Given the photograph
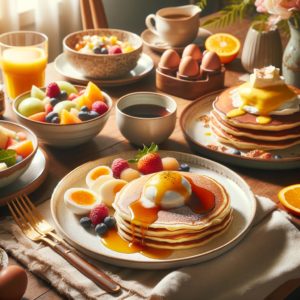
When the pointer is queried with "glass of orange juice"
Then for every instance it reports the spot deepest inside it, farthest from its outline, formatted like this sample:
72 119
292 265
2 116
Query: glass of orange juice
23 59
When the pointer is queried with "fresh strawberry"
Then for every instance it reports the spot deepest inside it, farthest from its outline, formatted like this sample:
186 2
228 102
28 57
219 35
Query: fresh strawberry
148 160
98 214
81 92
48 108
52 90
72 97
118 166
99 107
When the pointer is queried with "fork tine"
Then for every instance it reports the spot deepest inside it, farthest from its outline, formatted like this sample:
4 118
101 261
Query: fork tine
34 218
34 209
25 214
21 216
16 218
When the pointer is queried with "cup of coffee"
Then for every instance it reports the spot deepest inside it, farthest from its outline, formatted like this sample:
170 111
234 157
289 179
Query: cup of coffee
178 26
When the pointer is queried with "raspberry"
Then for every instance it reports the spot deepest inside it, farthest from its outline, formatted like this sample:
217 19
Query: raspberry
115 50
118 166
99 107
52 90
98 214
48 108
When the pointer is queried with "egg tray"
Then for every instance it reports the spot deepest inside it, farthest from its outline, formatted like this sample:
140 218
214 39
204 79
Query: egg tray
188 89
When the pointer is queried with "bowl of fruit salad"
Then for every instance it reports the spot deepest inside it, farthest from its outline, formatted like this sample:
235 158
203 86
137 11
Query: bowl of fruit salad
63 115
18 146
103 53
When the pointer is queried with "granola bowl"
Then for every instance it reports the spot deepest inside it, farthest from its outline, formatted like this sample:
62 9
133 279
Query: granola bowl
103 66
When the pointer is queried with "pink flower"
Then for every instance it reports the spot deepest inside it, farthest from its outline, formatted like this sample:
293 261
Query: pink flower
260 6
290 4
275 8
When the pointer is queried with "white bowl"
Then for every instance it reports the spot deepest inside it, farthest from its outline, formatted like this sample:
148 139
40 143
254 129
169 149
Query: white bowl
64 136
10 174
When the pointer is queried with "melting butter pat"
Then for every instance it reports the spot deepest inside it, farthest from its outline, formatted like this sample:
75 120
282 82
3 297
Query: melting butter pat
266 77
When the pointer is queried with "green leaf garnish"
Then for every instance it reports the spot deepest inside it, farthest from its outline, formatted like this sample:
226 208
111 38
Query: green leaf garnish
153 148
8 157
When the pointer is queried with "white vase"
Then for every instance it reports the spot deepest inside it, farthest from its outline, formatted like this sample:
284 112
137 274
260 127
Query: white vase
262 49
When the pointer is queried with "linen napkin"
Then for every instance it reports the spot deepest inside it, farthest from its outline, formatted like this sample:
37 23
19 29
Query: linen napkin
266 258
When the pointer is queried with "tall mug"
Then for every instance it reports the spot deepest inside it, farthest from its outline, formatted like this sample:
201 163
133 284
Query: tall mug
23 59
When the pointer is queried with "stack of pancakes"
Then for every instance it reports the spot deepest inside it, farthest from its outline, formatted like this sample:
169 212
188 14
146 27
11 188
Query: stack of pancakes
245 133
178 228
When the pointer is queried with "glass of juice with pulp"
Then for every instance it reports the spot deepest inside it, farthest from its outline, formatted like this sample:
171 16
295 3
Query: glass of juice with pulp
23 60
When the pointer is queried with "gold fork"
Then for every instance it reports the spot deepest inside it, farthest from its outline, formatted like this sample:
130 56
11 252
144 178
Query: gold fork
32 231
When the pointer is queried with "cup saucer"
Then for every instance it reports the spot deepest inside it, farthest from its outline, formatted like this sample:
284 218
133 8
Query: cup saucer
144 66
157 44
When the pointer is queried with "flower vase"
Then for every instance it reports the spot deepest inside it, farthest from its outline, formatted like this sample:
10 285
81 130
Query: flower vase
262 49
291 58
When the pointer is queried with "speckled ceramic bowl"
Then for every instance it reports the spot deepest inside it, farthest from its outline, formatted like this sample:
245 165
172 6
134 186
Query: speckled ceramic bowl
10 174
103 65
64 136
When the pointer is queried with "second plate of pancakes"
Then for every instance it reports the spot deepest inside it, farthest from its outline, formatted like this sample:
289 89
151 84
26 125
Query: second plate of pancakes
199 137
241 215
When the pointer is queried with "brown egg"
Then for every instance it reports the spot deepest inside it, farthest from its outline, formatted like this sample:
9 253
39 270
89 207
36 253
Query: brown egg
188 67
13 283
193 51
211 61
170 59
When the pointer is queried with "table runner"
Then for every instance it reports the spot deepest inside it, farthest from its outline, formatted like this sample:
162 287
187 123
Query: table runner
266 258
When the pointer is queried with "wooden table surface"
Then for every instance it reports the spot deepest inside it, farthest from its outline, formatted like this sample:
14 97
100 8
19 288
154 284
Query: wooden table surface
111 141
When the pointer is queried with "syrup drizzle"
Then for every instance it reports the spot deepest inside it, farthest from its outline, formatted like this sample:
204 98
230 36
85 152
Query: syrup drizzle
201 201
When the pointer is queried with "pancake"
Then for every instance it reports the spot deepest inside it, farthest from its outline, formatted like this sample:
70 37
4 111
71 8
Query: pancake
176 246
175 236
179 218
223 105
248 143
256 134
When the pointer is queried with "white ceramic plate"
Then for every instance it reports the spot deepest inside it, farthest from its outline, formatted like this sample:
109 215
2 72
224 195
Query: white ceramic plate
195 134
87 241
144 66
156 43
29 181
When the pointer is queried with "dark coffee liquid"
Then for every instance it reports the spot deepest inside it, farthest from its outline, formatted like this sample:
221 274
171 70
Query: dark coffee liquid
176 17
146 111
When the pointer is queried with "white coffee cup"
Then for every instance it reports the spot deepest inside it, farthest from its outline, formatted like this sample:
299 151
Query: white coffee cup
178 26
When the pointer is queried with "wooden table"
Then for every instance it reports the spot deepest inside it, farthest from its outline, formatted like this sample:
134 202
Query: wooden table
110 141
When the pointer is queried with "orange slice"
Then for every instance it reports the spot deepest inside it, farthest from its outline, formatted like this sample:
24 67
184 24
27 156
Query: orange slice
290 198
67 118
225 45
93 93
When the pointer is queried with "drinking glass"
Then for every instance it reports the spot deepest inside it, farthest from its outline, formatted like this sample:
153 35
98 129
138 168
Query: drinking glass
23 59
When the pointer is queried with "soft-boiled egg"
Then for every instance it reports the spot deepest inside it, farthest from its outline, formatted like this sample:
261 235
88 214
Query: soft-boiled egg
109 190
81 201
96 173
99 182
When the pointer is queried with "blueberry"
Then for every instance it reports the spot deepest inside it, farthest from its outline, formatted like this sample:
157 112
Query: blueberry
19 159
237 152
83 116
104 51
97 50
180 169
278 157
50 116
93 114
85 222
17 139
101 228
54 101
63 95
185 168
101 45
55 120
84 108
110 222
